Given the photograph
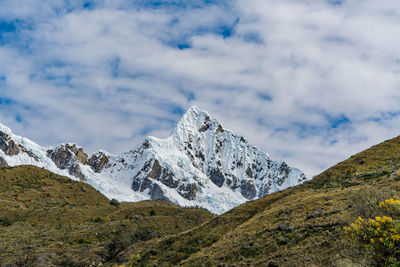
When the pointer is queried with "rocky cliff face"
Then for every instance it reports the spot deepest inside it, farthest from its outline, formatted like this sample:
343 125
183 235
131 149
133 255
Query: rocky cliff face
200 164
69 157
3 162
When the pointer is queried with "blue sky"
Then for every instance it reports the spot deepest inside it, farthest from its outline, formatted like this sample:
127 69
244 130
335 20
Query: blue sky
311 82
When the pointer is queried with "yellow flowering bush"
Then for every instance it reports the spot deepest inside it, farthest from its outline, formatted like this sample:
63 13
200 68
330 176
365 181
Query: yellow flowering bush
134 260
379 236
391 206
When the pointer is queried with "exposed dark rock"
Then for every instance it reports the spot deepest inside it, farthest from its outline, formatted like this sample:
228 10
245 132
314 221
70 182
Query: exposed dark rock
234 182
97 162
135 184
188 191
216 177
254 166
76 151
302 178
60 157
264 190
30 154
315 214
284 170
248 189
114 202
285 227
80 155
155 172
67 157
157 193
8 145
12 149
246 246
200 155
140 183
231 181
146 184
204 127
190 155
76 171
249 173
3 162
147 166
163 175
146 144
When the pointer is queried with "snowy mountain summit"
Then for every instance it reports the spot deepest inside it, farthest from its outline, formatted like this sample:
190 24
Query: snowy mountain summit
200 164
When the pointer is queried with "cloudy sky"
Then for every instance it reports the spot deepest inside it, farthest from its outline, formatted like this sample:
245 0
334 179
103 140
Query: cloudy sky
309 81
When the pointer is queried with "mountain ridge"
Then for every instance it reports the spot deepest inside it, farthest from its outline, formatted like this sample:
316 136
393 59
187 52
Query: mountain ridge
298 226
199 164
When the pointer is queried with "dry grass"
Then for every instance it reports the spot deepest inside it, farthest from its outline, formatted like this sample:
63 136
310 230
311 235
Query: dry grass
54 219
249 235
61 221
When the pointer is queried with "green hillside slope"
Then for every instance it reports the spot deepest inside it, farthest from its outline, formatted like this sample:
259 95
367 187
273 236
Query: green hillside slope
300 226
50 220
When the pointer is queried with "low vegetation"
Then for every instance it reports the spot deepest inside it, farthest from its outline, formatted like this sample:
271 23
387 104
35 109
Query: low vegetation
379 238
316 223
300 226
55 221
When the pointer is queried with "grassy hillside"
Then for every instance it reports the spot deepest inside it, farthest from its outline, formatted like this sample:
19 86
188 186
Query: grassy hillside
300 226
47 219
61 222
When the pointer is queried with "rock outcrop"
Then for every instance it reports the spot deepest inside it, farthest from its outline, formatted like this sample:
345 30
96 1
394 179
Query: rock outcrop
68 157
3 162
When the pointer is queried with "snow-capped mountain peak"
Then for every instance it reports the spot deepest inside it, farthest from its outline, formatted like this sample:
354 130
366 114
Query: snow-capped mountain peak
200 164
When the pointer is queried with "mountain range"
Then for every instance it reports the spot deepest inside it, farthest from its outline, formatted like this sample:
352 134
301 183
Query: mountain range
52 220
200 164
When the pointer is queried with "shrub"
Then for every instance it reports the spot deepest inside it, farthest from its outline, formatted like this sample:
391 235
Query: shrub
6 221
116 245
97 220
391 207
123 240
83 241
134 260
365 201
380 236
114 202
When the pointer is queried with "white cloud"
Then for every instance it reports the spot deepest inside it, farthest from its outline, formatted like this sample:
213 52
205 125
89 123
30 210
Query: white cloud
282 74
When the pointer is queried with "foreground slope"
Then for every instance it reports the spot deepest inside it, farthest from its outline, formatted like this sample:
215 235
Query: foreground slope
199 164
51 220
299 226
